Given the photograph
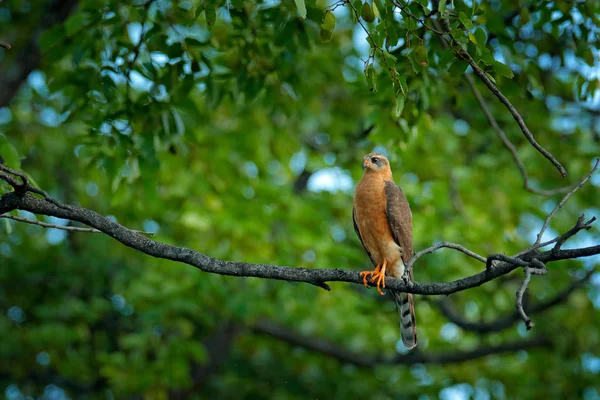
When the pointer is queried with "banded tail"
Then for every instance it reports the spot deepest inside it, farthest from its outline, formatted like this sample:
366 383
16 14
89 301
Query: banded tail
408 324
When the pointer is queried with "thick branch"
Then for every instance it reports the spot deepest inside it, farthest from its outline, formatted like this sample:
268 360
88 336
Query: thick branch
369 361
13 201
23 199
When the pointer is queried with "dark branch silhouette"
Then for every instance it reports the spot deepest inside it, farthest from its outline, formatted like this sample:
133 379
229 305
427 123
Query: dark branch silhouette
22 198
462 54
508 144
368 361
499 324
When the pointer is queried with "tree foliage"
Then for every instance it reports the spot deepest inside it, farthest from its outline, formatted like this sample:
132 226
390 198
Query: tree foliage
236 129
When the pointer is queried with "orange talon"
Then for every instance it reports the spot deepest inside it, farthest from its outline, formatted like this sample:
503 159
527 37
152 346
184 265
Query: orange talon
377 276
364 274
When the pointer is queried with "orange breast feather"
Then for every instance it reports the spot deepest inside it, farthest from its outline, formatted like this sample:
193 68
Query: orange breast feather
371 219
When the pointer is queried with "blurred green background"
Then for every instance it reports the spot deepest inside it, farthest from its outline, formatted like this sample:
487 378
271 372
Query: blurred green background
233 128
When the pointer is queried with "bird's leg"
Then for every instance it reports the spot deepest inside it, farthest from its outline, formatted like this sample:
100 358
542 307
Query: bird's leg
365 274
379 277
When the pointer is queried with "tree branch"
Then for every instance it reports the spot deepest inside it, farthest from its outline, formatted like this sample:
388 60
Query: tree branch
509 320
63 227
564 200
409 265
369 361
507 143
23 199
461 53
528 323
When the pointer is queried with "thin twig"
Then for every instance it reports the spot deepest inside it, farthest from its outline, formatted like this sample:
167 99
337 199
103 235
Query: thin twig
137 49
571 232
564 199
499 324
459 50
25 186
505 258
391 70
511 147
580 225
528 322
410 263
62 227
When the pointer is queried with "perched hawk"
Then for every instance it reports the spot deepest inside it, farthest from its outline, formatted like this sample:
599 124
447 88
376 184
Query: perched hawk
383 223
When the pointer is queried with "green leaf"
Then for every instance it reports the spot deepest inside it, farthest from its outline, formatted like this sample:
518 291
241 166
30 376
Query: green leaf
466 21
301 8
325 36
421 55
442 7
400 99
480 36
524 16
7 226
503 69
376 10
366 12
76 23
210 11
491 77
51 37
9 154
372 77
328 22
390 57
411 25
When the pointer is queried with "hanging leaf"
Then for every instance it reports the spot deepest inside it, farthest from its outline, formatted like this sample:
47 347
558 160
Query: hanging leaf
366 12
400 99
421 55
503 69
328 22
372 77
301 8
211 14
442 7
480 36
375 10
466 21
325 36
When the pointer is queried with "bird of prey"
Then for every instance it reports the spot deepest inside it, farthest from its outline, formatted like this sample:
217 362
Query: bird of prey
383 223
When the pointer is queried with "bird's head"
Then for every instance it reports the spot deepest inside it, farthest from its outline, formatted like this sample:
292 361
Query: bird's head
375 162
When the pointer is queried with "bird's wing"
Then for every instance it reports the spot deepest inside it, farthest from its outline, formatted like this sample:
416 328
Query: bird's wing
400 222
399 218
359 236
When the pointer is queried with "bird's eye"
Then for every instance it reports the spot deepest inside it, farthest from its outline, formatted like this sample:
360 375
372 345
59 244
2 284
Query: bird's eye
374 160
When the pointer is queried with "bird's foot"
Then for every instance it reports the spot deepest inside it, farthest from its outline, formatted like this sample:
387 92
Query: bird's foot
366 274
377 276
